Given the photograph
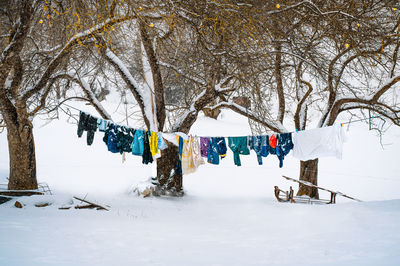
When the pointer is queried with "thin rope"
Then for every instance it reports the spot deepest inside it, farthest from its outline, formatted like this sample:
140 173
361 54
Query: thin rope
72 107
359 120
197 135
269 168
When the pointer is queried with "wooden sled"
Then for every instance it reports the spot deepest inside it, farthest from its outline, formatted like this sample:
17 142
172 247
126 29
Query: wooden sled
288 196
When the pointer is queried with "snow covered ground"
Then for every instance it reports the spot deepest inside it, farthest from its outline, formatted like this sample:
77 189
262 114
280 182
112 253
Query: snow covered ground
228 215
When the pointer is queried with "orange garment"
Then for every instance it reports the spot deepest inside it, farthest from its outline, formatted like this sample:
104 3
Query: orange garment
272 141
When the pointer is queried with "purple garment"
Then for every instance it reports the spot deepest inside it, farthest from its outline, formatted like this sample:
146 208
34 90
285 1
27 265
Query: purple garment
204 142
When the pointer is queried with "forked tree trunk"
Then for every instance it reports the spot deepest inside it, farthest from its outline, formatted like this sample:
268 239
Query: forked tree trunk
21 147
170 180
309 173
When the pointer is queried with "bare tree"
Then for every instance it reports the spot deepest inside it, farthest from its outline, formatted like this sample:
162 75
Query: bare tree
185 51
37 40
326 59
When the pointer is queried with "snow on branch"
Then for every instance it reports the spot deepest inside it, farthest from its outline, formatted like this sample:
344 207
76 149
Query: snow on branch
180 72
149 88
383 110
274 126
220 87
142 99
20 31
86 90
64 51
329 12
309 4
122 67
192 111
344 104
92 98
208 95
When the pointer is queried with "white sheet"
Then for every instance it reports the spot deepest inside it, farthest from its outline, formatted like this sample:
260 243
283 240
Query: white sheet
318 142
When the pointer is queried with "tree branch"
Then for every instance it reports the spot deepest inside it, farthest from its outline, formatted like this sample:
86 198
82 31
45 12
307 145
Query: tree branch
130 82
300 105
64 52
156 74
276 127
372 101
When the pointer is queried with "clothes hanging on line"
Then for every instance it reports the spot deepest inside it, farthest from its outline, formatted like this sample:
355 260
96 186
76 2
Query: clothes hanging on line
284 146
212 152
153 143
238 145
180 151
102 124
160 141
197 159
216 149
110 138
191 158
120 139
306 145
138 143
273 141
204 142
146 156
221 146
260 145
125 138
186 158
319 142
87 123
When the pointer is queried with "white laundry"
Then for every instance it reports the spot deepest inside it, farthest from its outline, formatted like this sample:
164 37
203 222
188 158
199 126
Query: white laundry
318 142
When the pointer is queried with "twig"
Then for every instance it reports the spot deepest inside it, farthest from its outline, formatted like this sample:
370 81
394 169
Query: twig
90 203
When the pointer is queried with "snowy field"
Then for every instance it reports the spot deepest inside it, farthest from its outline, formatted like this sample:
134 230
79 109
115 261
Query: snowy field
228 216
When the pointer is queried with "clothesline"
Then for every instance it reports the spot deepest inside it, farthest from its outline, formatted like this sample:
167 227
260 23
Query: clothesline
359 120
72 107
195 135
306 145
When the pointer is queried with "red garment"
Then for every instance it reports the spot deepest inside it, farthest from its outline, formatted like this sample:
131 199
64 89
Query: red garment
272 141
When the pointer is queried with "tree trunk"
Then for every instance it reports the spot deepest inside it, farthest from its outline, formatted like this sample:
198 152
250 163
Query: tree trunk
169 179
309 173
21 148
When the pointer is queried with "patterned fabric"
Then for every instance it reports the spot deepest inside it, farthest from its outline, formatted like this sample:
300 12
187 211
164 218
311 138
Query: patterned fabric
204 142
285 145
260 145
124 139
221 146
212 153
110 138
191 158
102 124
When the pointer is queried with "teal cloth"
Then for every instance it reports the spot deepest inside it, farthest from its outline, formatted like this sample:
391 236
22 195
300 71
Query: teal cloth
138 143
238 145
